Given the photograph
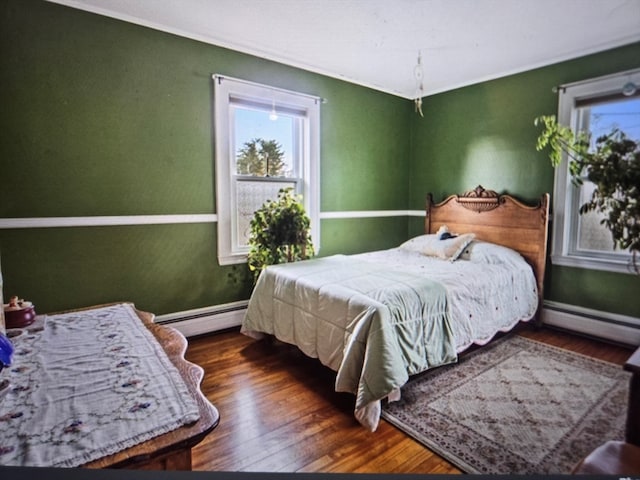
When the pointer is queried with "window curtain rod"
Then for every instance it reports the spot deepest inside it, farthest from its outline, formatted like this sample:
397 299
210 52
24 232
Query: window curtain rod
563 87
220 78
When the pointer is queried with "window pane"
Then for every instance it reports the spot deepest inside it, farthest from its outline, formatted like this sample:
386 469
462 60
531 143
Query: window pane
591 234
264 144
624 115
601 119
250 197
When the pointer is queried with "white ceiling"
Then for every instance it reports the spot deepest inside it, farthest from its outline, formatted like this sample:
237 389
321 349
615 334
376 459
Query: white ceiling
375 43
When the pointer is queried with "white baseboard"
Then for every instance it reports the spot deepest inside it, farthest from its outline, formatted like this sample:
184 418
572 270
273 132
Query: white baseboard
205 320
609 326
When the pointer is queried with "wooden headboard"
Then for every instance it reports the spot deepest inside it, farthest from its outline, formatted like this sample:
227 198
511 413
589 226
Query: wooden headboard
499 219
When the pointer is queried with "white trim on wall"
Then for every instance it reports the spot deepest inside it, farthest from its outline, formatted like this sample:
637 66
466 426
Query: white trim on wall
101 221
417 213
113 220
372 214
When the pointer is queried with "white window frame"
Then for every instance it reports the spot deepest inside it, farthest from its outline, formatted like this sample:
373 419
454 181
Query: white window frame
225 90
564 249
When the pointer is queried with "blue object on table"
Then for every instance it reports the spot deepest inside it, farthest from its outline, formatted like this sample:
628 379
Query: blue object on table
6 351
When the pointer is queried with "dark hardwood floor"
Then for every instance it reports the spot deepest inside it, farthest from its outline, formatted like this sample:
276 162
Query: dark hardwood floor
279 413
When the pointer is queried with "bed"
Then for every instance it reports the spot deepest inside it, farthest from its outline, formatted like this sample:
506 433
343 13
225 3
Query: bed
380 317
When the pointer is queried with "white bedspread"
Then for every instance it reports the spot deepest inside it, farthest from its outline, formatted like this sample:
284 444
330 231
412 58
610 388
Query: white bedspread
374 325
484 298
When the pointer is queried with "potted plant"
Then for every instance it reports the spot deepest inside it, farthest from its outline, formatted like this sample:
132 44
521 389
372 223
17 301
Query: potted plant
613 166
280 232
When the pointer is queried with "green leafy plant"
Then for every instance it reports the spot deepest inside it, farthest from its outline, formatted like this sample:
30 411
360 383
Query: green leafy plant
613 166
280 232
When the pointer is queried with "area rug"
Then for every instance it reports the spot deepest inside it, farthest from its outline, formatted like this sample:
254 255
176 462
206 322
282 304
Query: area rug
515 406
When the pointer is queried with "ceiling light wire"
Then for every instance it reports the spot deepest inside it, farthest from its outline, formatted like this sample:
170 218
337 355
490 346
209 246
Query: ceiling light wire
418 73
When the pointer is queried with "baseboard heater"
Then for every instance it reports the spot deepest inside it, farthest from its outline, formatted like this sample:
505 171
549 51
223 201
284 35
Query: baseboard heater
205 320
610 326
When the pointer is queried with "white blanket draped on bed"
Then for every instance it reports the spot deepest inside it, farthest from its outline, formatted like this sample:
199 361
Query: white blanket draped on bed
374 325
489 291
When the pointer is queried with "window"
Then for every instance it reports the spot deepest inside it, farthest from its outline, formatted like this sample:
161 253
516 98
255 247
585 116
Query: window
266 139
595 106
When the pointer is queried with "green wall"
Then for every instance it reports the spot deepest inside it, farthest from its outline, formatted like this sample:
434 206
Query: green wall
102 117
484 134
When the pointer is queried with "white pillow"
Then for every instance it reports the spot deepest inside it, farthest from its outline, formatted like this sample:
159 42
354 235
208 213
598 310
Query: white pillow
431 245
417 244
486 252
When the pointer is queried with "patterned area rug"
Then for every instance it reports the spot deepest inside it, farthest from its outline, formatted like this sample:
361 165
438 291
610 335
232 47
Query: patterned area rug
515 406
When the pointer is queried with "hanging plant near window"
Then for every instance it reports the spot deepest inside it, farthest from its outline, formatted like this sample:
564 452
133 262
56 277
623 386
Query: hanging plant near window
280 232
613 166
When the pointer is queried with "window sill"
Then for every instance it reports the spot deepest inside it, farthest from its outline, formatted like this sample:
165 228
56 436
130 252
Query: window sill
232 259
588 263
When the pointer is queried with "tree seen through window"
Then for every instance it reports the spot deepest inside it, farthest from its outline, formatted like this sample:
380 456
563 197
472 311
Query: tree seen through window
262 158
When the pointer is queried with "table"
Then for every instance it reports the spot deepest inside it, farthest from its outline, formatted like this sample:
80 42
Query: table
171 450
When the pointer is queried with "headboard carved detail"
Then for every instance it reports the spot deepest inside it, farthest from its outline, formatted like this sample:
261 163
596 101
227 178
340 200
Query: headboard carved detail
479 199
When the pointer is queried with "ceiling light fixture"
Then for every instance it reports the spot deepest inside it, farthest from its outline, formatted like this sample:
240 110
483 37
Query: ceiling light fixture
418 73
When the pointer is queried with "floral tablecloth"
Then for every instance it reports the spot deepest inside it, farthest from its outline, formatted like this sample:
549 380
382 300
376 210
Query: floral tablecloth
88 384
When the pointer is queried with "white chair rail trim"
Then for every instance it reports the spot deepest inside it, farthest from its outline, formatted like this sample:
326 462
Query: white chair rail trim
112 220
